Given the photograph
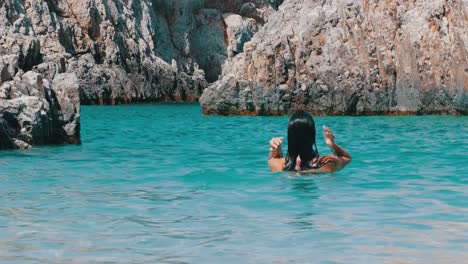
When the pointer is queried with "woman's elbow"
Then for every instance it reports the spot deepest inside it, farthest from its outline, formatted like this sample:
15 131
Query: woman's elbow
347 160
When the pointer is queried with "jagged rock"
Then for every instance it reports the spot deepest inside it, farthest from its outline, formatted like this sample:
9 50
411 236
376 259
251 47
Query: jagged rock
56 53
32 84
24 120
66 89
7 68
49 116
21 144
122 51
238 30
350 57
5 75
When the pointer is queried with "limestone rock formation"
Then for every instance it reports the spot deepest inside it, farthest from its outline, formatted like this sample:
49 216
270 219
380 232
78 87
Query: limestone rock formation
56 53
108 44
350 57
127 51
32 112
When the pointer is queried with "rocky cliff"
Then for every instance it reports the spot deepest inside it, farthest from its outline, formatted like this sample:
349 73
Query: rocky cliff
350 57
55 53
38 111
129 51
261 56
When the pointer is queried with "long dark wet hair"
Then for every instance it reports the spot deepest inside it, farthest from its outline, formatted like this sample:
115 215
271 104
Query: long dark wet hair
301 142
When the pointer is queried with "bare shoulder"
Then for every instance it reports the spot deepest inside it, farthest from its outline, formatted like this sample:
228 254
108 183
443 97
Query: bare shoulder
332 163
276 164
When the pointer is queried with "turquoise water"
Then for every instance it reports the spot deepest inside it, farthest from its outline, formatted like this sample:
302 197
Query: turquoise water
163 184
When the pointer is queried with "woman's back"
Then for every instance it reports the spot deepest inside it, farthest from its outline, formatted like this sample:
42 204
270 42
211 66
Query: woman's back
302 154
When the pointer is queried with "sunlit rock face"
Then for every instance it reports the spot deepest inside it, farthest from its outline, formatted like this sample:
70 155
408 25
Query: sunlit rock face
350 57
128 51
35 111
112 47
55 54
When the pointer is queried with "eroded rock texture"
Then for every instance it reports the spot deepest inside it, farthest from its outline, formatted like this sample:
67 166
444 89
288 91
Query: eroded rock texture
128 51
56 53
350 57
32 112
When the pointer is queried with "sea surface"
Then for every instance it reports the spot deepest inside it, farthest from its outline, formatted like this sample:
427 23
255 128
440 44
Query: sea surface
164 184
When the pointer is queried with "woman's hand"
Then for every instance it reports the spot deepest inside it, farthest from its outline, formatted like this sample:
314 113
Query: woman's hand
328 136
275 150
275 143
341 157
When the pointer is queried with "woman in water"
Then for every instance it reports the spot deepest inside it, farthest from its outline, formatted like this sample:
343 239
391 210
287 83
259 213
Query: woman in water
302 155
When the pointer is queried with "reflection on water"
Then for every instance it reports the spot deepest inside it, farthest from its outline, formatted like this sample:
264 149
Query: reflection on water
163 184
305 188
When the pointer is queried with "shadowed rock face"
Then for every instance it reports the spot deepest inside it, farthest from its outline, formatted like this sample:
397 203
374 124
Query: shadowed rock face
350 57
198 32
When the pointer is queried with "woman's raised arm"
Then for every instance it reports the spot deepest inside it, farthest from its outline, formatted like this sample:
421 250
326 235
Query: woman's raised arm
341 157
276 160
